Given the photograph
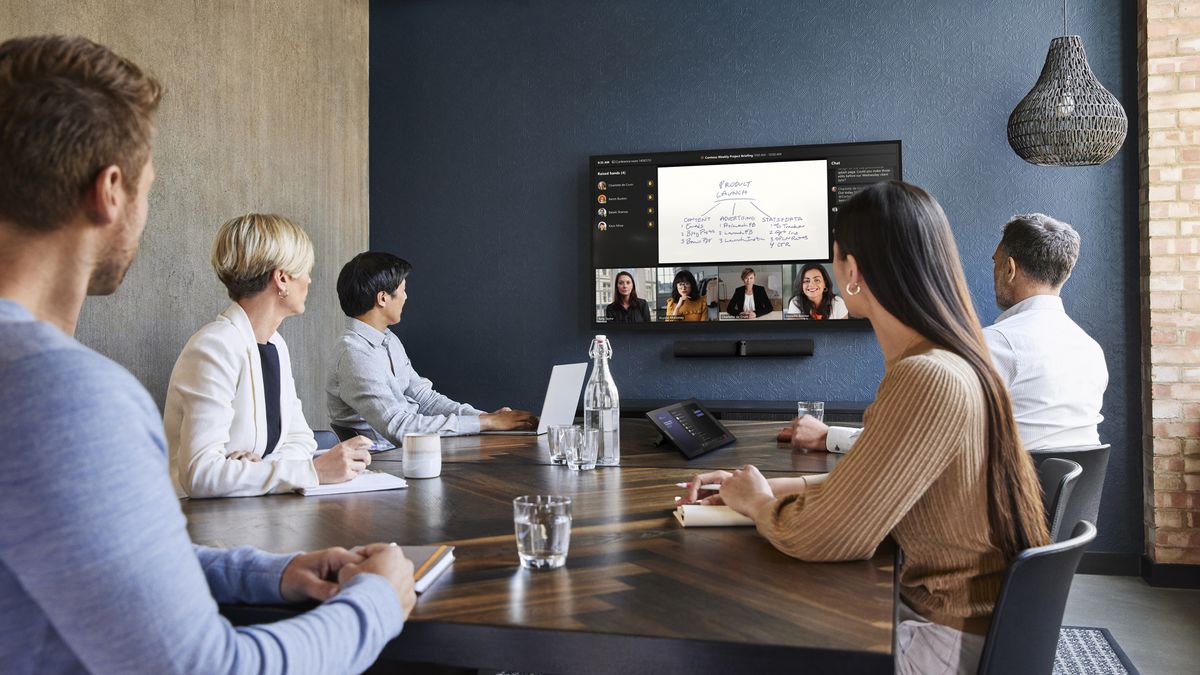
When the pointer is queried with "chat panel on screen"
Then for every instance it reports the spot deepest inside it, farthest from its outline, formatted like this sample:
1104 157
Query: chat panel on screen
771 211
852 174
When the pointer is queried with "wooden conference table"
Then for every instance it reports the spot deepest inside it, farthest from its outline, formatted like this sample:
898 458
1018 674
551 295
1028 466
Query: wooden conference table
638 594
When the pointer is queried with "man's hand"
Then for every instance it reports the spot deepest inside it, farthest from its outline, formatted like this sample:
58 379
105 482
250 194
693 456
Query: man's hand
314 576
344 460
805 433
508 420
388 561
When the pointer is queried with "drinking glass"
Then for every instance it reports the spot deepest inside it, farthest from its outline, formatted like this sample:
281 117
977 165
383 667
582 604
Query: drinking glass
543 527
814 408
553 439
582 455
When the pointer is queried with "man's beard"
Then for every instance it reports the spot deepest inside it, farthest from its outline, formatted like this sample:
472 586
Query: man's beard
117 259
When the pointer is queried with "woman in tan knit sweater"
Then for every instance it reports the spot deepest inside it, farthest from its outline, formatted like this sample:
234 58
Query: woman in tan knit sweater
939 466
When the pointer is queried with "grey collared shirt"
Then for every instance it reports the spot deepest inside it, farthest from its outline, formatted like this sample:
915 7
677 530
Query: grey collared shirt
374 390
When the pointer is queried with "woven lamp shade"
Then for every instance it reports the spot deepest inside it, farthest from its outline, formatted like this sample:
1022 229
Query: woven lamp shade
1068 118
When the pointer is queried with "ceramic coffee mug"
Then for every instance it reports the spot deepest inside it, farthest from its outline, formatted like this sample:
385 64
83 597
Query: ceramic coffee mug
422 455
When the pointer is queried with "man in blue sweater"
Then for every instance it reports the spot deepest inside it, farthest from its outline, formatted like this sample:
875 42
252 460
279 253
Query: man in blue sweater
97 572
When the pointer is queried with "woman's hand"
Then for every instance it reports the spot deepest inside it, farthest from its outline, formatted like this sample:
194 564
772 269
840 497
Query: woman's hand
344 461
696 495
244 456
746 491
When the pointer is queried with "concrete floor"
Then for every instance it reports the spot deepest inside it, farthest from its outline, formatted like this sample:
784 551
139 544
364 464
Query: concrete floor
1158 628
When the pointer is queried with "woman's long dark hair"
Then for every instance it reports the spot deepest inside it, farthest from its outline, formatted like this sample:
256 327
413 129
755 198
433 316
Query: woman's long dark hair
901 240
632 289
825 307
681 276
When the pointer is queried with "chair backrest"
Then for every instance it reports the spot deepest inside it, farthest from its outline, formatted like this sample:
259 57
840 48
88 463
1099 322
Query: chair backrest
1057 477
325 439
1084 503
1023 637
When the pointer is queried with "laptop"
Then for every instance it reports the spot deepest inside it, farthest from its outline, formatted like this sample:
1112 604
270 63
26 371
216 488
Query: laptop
562 399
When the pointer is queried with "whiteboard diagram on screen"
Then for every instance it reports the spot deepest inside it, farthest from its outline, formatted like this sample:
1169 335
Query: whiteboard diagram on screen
732 212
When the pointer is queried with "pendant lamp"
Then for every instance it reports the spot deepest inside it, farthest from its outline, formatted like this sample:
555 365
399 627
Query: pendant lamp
1068 118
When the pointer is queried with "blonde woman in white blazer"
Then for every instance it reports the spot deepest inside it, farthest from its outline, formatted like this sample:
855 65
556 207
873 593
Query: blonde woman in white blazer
218 409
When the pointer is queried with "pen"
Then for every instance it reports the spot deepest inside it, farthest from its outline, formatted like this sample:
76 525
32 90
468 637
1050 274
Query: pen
706 486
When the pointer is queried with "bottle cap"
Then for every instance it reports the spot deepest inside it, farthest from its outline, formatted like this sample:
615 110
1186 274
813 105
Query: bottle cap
601 338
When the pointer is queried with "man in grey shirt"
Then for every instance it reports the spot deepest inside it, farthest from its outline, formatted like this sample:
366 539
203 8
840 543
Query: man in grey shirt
373 389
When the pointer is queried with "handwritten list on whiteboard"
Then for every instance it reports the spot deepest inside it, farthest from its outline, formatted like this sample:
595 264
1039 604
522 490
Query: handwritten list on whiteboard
759 211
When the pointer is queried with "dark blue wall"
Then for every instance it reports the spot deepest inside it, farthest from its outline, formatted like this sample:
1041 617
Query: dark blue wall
483 115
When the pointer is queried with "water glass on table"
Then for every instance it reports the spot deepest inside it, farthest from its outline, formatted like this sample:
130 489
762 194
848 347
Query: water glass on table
814 408
543 528
554 440
581 455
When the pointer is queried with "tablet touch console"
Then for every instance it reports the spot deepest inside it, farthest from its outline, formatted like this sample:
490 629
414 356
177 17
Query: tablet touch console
691 428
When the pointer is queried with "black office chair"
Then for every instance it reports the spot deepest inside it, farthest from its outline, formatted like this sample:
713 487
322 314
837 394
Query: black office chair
325 439
1084 503
1058 477
343 433
1023 637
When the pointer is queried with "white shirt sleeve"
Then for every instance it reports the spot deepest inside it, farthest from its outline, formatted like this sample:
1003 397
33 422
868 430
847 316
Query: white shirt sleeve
1004 357
841 439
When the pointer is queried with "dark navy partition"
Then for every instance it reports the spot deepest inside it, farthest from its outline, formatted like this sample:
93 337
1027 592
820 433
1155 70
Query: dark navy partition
484 114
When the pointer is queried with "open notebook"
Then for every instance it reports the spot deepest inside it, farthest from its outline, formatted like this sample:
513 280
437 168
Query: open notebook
367 481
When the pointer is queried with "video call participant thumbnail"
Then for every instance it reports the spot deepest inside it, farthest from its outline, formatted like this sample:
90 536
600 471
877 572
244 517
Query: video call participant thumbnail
749 300
686 303
373 388
813 296
626 306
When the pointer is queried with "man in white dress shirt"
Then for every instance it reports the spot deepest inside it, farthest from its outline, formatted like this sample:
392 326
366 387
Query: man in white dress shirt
1055 372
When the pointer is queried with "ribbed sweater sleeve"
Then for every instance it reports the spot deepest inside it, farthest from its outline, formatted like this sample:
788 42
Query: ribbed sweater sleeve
912 433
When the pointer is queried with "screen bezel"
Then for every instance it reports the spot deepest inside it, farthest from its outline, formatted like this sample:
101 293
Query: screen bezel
851 323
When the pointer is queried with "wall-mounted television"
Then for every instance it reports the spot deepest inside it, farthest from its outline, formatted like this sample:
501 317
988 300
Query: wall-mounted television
721 236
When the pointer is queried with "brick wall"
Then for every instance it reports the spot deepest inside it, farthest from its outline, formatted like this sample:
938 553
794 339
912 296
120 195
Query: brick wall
1169 221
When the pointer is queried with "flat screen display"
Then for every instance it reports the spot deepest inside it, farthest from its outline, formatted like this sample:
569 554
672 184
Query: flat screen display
739 235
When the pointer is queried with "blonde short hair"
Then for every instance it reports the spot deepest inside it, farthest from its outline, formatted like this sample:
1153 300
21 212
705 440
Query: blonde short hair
250 247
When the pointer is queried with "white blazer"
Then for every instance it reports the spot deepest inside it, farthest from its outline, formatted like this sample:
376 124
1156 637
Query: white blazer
215 407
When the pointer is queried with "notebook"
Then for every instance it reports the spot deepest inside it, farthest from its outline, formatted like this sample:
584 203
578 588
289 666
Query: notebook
562 399
428 563
706 515
367 481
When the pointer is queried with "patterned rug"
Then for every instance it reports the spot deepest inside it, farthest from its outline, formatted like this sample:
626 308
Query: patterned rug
1090 651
